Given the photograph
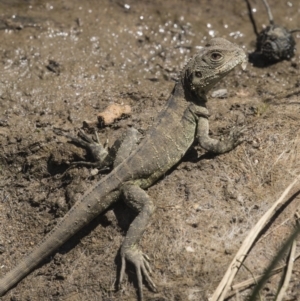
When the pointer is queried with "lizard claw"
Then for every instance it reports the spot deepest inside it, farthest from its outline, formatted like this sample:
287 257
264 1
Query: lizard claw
142 267
96 149
236 136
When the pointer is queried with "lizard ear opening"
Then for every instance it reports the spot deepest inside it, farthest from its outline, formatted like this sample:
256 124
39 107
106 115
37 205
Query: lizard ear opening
198 74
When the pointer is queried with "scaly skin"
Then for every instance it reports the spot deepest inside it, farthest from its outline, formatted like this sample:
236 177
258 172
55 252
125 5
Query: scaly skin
184 119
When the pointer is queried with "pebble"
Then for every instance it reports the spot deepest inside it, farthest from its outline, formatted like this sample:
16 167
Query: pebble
221 93
94 171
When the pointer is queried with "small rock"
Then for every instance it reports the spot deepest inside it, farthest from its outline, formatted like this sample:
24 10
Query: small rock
221 93
94 171
3 122
190 249
2 249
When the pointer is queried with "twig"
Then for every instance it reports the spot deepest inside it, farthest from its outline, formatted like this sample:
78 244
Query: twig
274 262
240 256
268 11
289 269
251 17
253 280
273 230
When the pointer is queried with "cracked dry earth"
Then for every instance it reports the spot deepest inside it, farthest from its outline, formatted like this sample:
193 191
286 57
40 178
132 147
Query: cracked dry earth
63 62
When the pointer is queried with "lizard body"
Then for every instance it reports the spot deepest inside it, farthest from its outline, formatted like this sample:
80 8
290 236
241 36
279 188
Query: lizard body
184 119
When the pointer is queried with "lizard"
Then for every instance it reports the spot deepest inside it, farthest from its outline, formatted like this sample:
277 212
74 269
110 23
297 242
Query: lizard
183 121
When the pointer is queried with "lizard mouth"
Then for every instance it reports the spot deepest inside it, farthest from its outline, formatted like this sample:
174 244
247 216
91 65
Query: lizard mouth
239 60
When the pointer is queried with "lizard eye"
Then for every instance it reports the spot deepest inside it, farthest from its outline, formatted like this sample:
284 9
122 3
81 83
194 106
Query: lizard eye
198 74
215 56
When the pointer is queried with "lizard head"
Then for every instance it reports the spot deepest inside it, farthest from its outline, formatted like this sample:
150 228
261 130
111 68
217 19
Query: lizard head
210 65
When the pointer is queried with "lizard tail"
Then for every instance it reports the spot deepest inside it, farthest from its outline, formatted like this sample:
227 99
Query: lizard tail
94 201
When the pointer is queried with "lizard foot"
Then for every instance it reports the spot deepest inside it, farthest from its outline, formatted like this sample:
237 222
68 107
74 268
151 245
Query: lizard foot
98 152
142 266
235 138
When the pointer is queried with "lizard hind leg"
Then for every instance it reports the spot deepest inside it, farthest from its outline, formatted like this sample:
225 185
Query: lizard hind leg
139 200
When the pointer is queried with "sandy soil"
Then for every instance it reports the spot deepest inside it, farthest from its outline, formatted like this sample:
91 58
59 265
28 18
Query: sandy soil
63 62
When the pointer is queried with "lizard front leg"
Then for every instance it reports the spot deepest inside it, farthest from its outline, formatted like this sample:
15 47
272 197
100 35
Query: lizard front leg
139 200
214 145
125 146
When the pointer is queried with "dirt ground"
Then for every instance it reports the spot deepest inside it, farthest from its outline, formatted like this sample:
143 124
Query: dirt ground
63 62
